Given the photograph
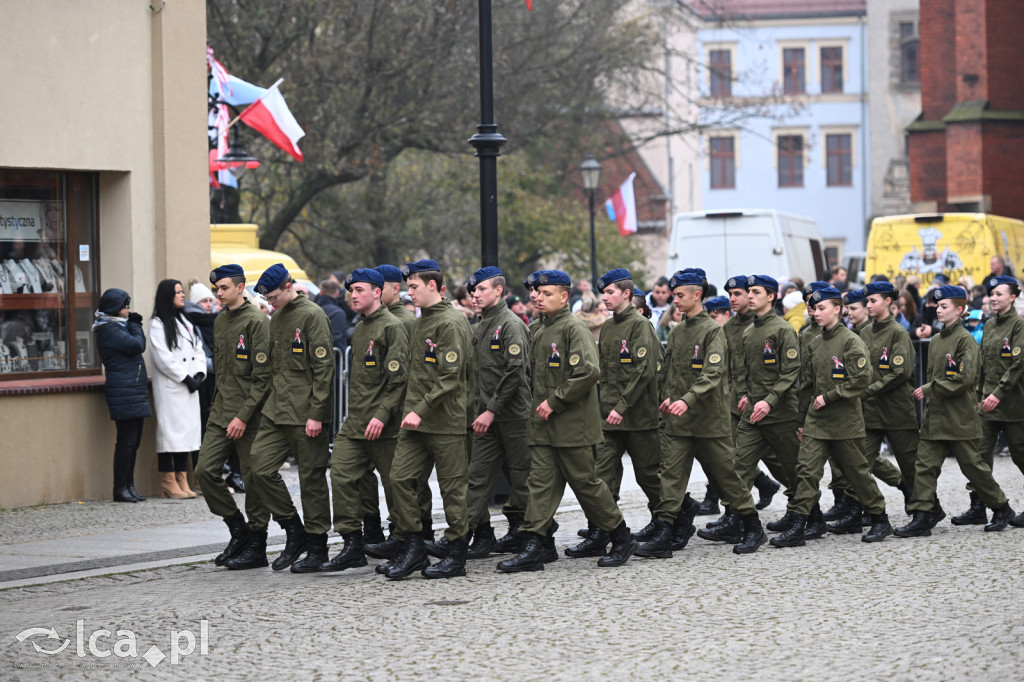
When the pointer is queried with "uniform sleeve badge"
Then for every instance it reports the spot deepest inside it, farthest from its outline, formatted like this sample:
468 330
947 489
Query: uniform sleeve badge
261 358
574 360
791 353
514 349
393 366
321 352
451 357
641 352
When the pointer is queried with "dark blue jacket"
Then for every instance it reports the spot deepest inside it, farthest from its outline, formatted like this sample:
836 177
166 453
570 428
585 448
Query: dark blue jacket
127 388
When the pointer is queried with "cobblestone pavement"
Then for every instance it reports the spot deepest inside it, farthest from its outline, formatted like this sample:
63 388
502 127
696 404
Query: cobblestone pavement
939 608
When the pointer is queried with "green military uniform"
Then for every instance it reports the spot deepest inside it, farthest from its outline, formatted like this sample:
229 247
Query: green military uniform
769 362
951 421
630 355
402 313
1002 375
734 328
380 358
302 369
565 370
694 371
502 346
241 362
888 401
440 368
836 367
808 334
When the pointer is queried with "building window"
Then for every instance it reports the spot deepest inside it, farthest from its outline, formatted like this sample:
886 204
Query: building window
794 71
48 273
839 152
720 68
723 162
831 69
909 58
791 161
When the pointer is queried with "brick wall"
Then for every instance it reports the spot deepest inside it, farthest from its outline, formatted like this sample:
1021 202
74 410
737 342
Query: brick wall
938 35
928 167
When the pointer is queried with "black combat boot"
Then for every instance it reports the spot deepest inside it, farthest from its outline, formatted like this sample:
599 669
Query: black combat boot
253 555
428 528
660 544
388 549
372 531
239 537
907 490
838 507
683 528
527 560
585 532
1018 521
766 489
816 526
709 506
483 542
412 558
550 551
436 548
880 529
352 556
782 523
937 513
1000 518
294 543
452 565
851 521
792 536
725 518
316 554
975 514
623 546
753 535
595 544
920 526
511 542
730 530
647 532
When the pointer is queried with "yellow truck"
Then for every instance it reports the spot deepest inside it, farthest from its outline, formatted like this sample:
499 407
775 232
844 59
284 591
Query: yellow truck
240 244
954 244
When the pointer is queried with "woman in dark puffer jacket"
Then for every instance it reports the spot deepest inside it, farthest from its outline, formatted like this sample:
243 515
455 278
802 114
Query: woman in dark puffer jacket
121 342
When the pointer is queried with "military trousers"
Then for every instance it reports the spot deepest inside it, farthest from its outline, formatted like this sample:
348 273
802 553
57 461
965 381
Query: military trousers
273 444
774 465
930 456
416 455
503 444
847 455
903 444
368 494
644 448
775 444
1013 432
353 459
217 448
551 469
716 457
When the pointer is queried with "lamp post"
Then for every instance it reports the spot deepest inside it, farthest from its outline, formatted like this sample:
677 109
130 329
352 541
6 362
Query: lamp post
591 172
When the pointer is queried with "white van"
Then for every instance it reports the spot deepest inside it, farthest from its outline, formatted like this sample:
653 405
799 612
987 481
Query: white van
746 242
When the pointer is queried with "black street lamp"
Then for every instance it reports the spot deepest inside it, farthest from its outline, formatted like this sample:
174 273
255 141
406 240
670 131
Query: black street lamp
591 171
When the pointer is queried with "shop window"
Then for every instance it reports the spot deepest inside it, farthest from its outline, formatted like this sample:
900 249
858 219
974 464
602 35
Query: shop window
831 69
48 273
794 71
791 161
723 162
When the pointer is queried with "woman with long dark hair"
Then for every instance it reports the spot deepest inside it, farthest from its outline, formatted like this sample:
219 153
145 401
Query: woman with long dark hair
179 365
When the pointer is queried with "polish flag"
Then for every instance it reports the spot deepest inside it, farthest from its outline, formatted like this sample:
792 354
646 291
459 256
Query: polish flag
529 5
269 115
621 207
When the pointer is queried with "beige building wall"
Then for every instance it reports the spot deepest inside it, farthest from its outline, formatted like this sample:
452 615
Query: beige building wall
115 87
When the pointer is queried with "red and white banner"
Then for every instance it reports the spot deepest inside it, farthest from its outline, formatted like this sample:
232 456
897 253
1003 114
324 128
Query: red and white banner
270 116
621 207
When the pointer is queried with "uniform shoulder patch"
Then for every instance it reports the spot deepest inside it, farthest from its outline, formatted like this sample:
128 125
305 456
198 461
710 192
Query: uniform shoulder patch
1016 351
261 358
659 367
714 358
897 360
574 359
791 353
394 366
861 362
451 356
641 352
320 352
514 349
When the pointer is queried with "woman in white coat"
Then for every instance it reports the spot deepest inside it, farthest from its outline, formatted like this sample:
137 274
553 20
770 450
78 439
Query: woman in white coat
179 365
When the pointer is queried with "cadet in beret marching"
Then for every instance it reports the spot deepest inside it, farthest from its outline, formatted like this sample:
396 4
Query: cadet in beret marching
299 404
367 439
241 360
834 375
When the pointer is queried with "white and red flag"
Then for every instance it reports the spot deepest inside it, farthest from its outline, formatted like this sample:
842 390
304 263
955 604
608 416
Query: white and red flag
621 207
270 116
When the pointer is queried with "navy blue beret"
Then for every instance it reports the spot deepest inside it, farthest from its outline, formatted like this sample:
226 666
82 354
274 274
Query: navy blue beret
545 277
716 303
948 291
769 283
881 288
368 275
698 271
425 265
826 293
272 278
611 277
940 279
993 282
483 273
229 270
531 280
637 291
389 272
855 296
688 276
736 282
812 287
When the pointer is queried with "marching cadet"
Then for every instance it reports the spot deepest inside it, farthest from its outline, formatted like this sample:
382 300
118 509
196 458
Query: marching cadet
302 369
564 427
696 426
434 427
856 310
951 421
719 310
502 345
767 390
391 295
834 375
629 354
367 439
241 344
1002 386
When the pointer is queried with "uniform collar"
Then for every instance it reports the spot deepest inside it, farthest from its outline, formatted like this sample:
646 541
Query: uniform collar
831 333
495 309
562 312
625 314
878 326
697 319
760 320
440 305
376 313
948 329
1007 316
745 318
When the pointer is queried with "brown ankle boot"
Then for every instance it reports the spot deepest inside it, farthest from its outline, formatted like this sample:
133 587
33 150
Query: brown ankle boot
182 478
169 486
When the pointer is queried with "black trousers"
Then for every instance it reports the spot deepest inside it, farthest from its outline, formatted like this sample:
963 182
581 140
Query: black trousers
129 435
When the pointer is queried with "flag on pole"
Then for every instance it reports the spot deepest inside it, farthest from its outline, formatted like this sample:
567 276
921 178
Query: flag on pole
621 207
529 5
269 115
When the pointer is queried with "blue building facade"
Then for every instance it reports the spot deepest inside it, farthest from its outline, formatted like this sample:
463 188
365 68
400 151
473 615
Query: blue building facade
783 94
